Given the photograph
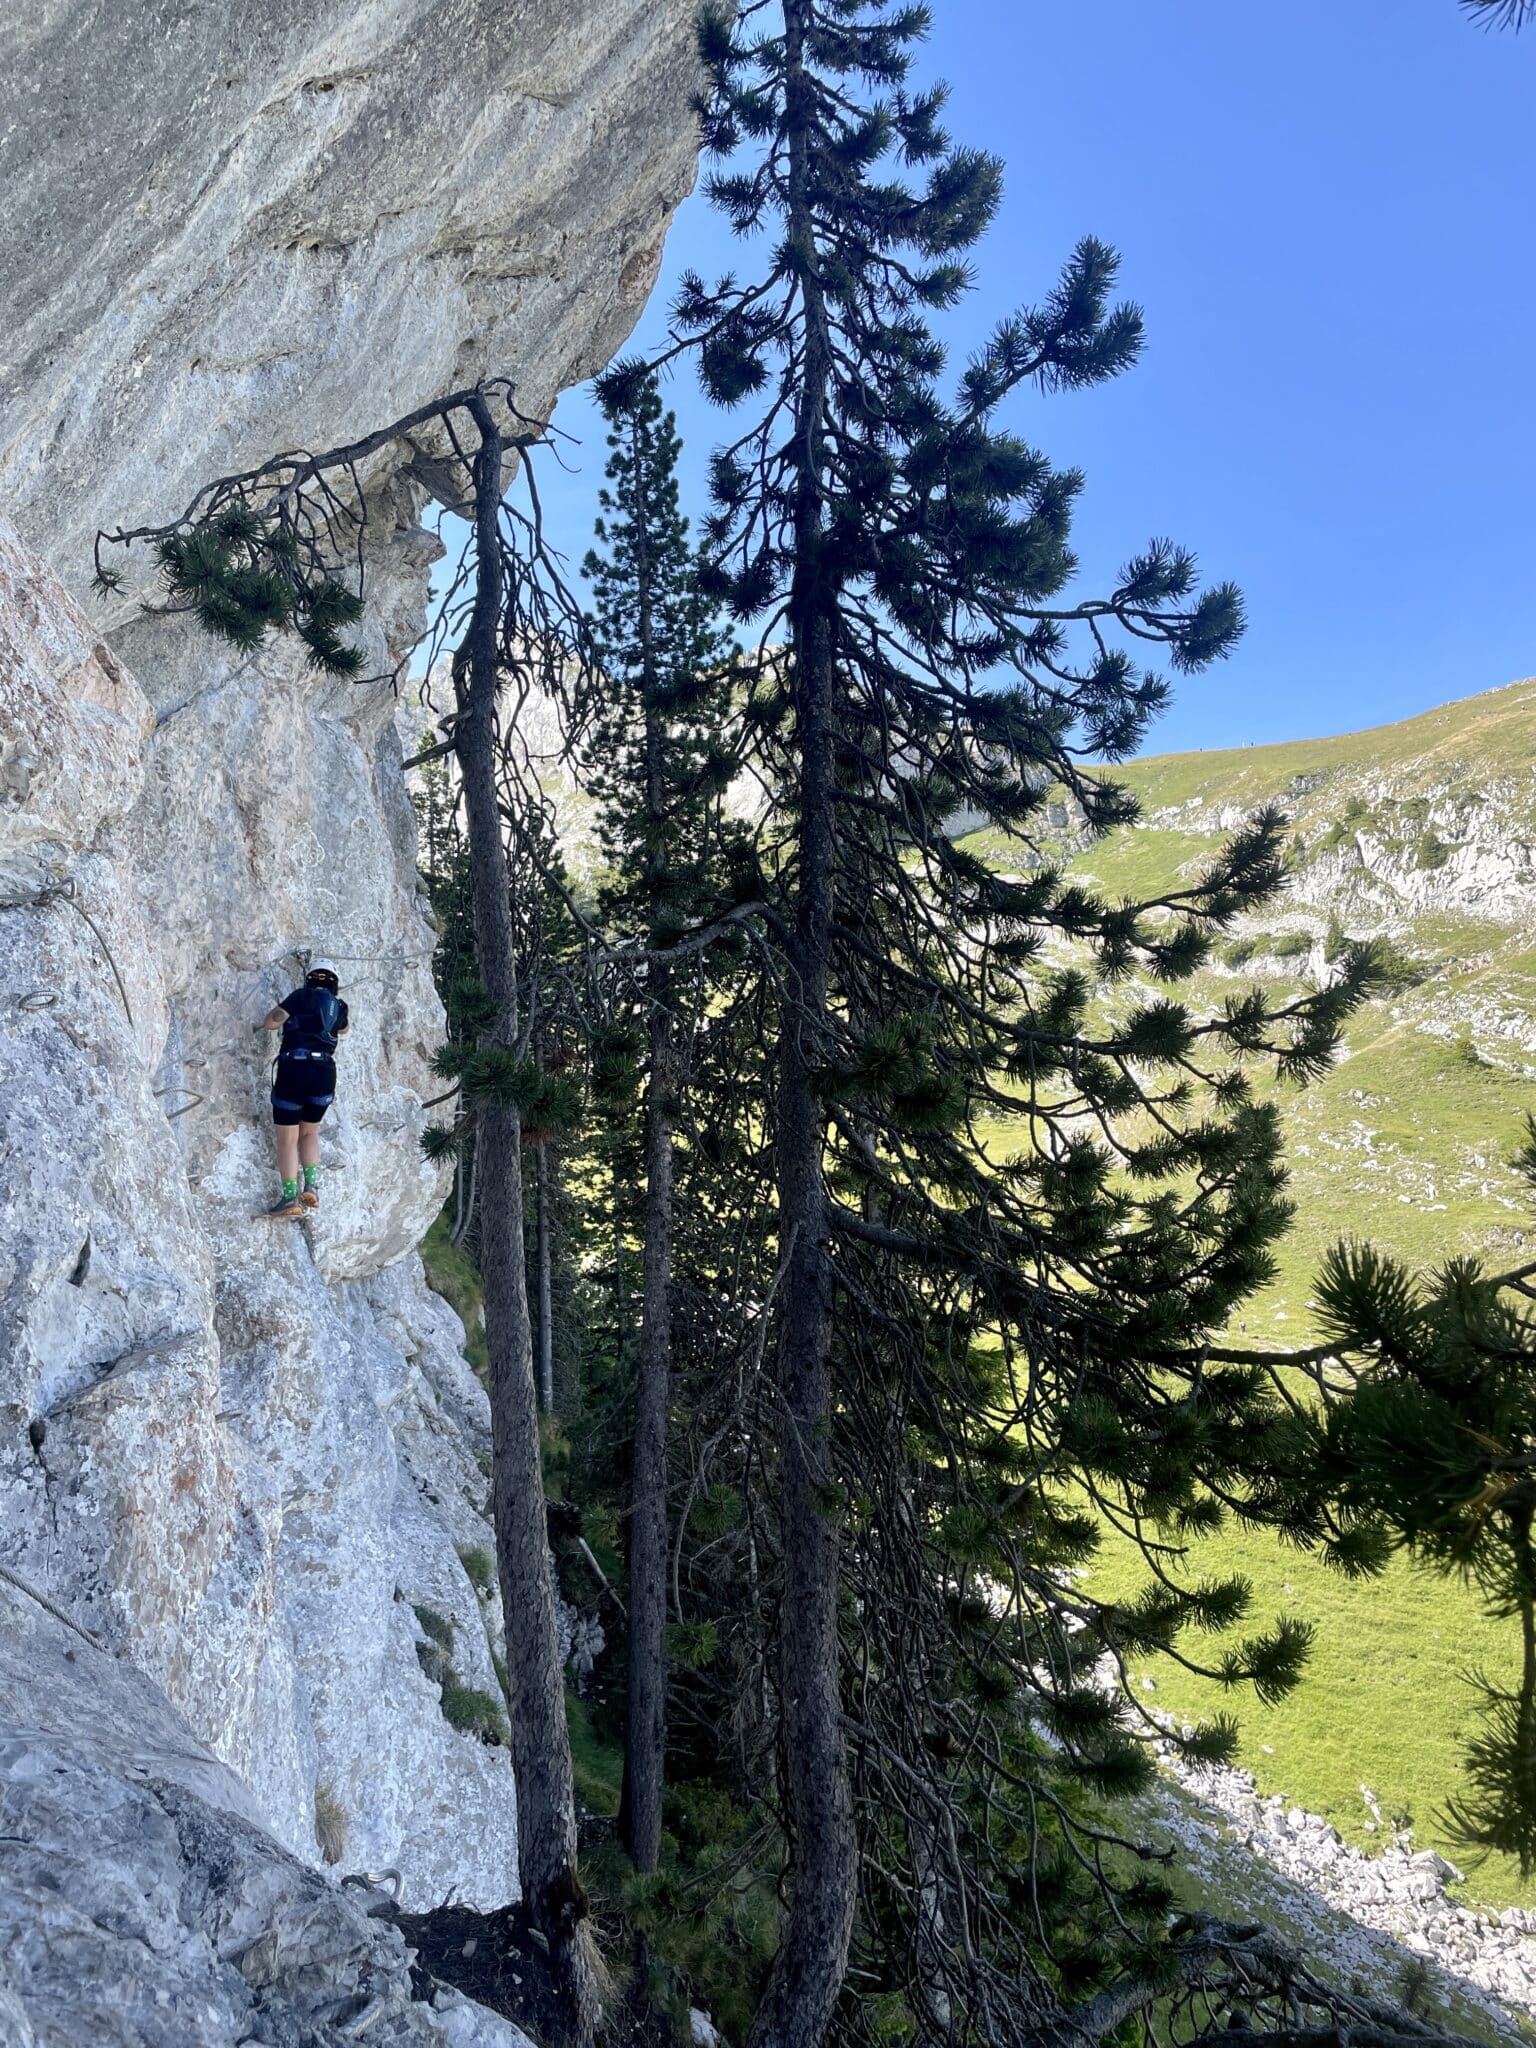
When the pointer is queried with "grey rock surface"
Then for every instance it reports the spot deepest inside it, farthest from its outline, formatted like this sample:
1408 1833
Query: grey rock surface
142 1902
1362 1917
244 1454
229 231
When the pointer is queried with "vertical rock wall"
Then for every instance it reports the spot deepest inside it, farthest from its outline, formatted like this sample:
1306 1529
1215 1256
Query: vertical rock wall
244 1453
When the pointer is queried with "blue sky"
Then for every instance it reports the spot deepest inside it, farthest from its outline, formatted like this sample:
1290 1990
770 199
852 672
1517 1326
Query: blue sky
1325 208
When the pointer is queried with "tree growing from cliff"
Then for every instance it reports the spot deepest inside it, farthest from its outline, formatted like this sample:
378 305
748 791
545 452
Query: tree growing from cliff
1018 1185
266 550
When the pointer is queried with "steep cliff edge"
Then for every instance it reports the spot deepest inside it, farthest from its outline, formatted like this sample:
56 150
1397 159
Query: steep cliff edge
245 1455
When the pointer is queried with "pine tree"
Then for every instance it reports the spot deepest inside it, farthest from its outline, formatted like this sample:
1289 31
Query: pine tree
973 1347
659 769
1515 14
493 643
1431 1448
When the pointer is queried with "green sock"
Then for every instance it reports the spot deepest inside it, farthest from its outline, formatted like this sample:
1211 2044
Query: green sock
290 1188
311 1177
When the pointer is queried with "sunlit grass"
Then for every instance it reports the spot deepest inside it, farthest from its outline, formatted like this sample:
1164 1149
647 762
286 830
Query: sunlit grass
1405 1142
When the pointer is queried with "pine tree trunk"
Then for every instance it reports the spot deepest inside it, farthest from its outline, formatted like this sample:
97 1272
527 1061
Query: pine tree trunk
541 1756
646 1734
808 1971
545 1255
645 1744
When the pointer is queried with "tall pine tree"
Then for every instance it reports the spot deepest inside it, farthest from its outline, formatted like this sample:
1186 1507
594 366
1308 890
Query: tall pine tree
1018 1184
660 770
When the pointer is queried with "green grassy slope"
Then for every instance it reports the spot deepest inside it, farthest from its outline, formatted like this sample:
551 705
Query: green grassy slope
1406 1142
1495 731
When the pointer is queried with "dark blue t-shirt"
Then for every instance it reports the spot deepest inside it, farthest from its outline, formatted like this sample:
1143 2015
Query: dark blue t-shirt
316 1019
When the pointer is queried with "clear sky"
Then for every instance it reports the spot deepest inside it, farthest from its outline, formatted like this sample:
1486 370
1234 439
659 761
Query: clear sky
1327 209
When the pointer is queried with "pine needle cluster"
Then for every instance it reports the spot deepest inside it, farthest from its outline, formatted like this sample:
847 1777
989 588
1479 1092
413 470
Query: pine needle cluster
244 571
1433 1450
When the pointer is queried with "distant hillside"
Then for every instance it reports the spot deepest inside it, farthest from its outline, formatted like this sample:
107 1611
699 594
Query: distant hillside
1424 833
1432 817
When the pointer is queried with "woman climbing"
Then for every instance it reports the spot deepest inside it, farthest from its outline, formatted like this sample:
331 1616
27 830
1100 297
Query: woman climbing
311 1020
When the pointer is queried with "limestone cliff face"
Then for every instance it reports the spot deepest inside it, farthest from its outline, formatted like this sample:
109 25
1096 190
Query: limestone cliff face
240 1452
143 1902
229 231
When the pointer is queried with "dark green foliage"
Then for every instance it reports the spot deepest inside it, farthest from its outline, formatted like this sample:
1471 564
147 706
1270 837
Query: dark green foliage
435 1654
657 758
1433 1451
472 1711
1051 1181
710 1913
1515 14
1431 851
437 1627
464 1707
479 1567
239 574
1464 1049
693 1644
550 1104
1396 970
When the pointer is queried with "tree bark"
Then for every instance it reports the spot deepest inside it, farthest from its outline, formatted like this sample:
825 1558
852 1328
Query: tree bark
541 1755
808 1971
646 1734
545 1256
645 1744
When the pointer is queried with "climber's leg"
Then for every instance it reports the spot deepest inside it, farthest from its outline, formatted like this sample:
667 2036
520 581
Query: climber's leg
288 1141
309 1159
285 1132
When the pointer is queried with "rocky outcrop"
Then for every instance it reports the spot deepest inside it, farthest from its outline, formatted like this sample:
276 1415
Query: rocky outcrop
1437 819
239 1452
1363 1918
245 1455
229 232
143 1904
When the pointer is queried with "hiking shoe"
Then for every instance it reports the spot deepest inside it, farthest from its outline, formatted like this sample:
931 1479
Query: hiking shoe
285 1205
310 1197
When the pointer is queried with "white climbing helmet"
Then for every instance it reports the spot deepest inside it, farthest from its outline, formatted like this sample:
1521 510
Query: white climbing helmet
323 967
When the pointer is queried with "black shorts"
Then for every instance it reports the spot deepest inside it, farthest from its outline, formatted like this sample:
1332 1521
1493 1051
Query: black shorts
302 1090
